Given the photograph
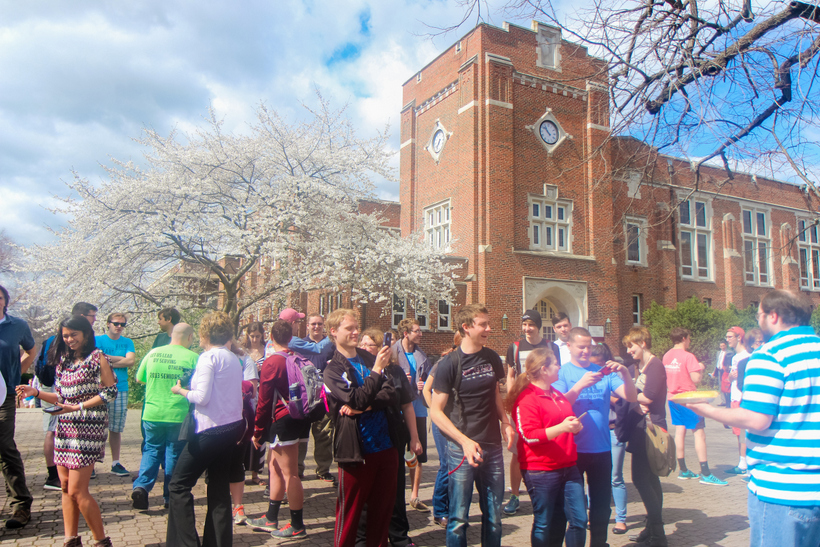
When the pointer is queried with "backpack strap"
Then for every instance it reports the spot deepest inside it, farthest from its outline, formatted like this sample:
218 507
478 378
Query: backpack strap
458 404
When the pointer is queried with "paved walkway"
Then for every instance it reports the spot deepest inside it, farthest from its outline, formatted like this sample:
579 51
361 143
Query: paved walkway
695 514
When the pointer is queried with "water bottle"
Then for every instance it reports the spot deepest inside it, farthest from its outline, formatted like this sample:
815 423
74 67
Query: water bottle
293 392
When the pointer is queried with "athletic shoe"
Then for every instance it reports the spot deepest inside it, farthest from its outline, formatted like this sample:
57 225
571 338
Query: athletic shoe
746 478
139 498
289 532
441 521
93 473
262 523
239 517
52 483
119 470
512 506
327 477
686 475
736 471
19 519
711 479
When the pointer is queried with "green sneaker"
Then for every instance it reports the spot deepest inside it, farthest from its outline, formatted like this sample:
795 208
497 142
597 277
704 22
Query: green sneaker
736 471
686 475
711 479
512 506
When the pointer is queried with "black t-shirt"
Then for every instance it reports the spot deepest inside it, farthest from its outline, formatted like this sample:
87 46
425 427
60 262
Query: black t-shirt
481 372
524 349
652 383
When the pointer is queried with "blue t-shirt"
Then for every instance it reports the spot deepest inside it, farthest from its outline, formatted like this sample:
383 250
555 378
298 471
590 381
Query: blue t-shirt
418 406
117 348
372 423
594 437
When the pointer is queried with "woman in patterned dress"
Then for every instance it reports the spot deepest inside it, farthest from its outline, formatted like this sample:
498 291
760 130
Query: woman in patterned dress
83 385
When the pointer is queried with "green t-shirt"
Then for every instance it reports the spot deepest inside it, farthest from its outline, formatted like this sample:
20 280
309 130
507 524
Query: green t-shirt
159 371
162 339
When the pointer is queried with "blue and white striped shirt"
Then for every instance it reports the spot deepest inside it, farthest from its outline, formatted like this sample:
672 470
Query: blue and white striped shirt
783 381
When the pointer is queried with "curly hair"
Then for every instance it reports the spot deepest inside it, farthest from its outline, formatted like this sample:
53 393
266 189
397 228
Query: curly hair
217 328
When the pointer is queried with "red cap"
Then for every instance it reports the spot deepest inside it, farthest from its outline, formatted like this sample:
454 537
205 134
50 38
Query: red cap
291 315
739 332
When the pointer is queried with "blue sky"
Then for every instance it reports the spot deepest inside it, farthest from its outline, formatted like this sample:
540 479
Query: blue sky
81 79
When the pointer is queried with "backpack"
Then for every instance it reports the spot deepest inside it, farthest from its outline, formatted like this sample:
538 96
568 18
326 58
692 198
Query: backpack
455 406
306 390
660 450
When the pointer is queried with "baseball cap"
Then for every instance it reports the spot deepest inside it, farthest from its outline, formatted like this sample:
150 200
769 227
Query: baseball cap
291 315
533 316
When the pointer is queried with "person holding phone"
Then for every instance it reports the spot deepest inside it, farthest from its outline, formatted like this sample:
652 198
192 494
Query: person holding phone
84 387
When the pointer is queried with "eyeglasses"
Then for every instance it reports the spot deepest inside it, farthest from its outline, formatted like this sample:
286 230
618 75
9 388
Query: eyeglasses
369 346
117 324
415 331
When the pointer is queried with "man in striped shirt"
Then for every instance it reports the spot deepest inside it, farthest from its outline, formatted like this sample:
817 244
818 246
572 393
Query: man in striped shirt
781 410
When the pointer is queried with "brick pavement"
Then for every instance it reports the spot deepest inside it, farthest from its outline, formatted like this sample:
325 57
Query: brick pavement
695 514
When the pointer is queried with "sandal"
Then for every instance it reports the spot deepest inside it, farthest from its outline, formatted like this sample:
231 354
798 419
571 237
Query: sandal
259 482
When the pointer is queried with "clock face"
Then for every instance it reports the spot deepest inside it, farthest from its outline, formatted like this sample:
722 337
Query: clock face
438 141
549 132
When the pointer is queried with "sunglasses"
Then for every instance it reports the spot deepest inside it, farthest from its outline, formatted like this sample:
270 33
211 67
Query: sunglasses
117 324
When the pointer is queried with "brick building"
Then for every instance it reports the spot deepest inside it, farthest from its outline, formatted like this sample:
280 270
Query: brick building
508 165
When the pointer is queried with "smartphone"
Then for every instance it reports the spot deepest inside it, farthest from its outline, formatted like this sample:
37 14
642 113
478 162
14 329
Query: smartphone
606 369
388 339
53 409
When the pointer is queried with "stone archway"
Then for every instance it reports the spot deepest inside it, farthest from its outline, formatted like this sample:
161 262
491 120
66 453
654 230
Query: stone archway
560 295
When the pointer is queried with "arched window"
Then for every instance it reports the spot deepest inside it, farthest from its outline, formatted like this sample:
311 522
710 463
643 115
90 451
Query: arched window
547 310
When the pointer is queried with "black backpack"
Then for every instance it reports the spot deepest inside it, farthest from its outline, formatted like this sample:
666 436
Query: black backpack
455 406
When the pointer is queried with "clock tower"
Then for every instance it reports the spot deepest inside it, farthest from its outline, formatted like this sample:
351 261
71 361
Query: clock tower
505 167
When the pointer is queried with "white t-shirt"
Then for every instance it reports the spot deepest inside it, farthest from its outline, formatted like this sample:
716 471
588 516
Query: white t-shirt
737 395
564 350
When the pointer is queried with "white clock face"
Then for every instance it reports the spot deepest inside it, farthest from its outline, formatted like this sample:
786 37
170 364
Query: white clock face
438 141
549 132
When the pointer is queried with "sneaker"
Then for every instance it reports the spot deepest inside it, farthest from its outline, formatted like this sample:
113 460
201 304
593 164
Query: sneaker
288 532
327 477
512 506
19 519
239 517
711 479
139 498
746 478
441 521
119 470
416 504
262 523
736 471
686 475
52 483
93 473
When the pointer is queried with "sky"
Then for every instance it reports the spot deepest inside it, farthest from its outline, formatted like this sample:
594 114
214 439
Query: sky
82 79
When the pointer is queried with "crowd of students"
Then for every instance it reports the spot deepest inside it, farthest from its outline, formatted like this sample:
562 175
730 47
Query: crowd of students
570 414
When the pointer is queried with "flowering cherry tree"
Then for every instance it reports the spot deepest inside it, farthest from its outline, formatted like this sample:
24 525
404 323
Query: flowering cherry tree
215 219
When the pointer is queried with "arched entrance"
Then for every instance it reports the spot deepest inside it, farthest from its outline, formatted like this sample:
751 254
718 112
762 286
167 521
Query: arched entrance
550 296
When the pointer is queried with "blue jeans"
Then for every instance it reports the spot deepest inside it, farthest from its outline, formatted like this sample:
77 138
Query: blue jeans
775 525
441 501
489 482
546 488
162 445
618 486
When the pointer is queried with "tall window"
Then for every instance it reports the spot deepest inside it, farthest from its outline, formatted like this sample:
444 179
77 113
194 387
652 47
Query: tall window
322 305
756 247
443 315
437 225
550 224
809 251
695 220
636 309
422 311
635 242
399 313
547 311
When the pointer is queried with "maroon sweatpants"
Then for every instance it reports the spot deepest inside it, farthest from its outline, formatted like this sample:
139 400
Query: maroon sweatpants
373 483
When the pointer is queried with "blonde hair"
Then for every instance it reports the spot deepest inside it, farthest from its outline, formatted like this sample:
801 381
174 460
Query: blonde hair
217 328
637 336
537 358
374 334
336 317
